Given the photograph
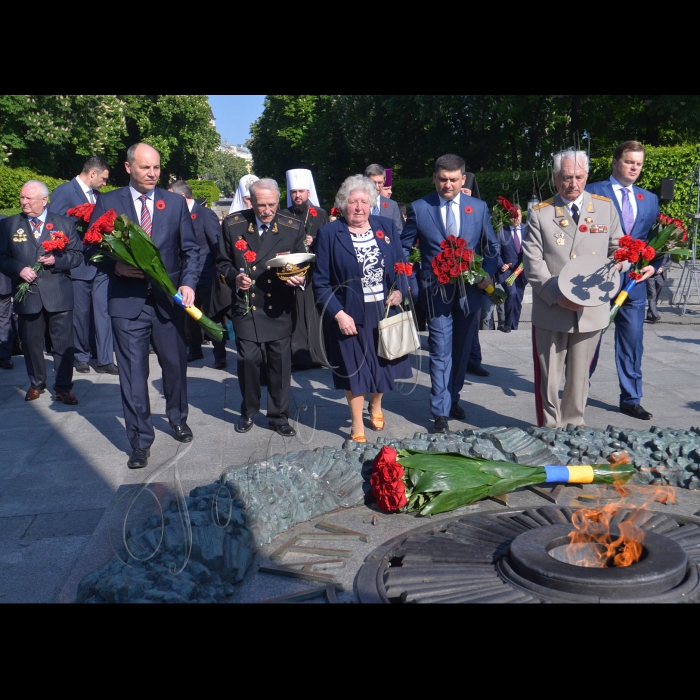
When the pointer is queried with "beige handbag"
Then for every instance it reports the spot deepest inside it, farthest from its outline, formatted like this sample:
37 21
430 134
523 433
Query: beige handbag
397 336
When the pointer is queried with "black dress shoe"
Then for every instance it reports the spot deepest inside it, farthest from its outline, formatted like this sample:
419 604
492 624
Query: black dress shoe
7 364
636 411
478 370
285 430
441 425
182 433
220 364
244 424
457 412
194 356
505 329
82 367
111 368
139 458
654 320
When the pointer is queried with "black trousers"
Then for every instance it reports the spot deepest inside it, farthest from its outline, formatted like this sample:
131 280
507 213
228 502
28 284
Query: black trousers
279 381
32 333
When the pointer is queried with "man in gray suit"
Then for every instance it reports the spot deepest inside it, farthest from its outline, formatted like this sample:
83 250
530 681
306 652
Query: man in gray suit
574 223
384 207
49 301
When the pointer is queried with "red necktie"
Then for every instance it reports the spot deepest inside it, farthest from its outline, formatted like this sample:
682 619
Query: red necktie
145 215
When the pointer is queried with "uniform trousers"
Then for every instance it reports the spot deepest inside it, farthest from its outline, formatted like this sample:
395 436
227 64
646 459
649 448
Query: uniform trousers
32 333
131 340
556 354
279 377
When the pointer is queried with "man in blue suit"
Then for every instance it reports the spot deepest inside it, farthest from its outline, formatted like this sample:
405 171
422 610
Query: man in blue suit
385 206
141 313
638 210
508 261
89 285
452 309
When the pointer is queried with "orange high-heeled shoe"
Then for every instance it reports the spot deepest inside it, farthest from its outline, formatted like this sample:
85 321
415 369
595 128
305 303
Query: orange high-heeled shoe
376 420
360 437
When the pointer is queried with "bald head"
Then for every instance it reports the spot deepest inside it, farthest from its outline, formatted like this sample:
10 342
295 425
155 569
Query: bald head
143 166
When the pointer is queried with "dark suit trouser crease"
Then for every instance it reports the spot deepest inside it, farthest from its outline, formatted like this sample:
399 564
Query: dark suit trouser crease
131 339
279 370
7 336
32 333
90 296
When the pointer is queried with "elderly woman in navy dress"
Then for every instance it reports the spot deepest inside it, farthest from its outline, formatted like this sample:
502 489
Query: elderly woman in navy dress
354 282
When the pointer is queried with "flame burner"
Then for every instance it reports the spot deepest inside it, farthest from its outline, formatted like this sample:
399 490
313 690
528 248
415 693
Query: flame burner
518 556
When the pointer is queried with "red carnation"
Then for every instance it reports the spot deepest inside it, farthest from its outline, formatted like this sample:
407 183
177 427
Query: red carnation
49 226
636 276
408 269
312 211
160 204
250 256
380 234
400 268
58 241
640 196
336 212
468 209
385 205
625 241
193 216
82 211
648 253
583 228
241 245
620 255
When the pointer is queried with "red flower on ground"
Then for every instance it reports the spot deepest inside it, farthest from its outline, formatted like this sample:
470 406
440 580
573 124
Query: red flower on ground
49 226
160 204
387 481
379 234
241 245
193 216
468 209
312 211
640 196
250 256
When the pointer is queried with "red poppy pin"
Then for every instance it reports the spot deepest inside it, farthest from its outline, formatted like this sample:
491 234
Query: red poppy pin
468 209
380 234
193 216
160 204
583 228
49 227
640 196
385 205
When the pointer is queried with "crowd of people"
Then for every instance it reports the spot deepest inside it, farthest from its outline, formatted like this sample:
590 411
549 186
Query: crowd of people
321 306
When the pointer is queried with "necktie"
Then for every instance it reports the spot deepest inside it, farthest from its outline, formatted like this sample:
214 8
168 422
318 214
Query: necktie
91 197
375 210
516 238
145 215
627 213
36 226
574 213
263 230
450 223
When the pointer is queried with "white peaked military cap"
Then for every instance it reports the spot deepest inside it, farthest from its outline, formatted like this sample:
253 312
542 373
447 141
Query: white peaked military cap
243 191
301 179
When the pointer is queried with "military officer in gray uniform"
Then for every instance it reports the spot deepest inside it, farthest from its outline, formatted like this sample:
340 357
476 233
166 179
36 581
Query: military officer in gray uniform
262 303
574 223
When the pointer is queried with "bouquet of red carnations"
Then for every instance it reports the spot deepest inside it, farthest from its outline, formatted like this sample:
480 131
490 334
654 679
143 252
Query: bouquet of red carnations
58 241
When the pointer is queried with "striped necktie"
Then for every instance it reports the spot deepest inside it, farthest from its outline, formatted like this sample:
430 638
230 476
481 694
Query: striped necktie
145 215
36 226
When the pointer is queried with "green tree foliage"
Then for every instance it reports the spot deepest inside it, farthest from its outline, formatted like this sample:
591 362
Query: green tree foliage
205 188
226 170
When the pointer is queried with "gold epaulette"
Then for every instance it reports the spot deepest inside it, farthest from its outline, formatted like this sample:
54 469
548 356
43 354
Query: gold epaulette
541 205
600 196
289 221
233 219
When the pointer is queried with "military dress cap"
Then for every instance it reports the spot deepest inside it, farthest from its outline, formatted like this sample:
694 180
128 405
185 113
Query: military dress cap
291 265
589 280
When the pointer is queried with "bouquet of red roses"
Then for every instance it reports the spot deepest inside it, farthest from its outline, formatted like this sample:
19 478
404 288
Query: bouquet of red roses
83 214
503 214
119 238
456 263
436 482
58 241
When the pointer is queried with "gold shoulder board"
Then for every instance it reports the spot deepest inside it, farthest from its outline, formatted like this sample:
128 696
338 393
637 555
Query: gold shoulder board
600 196
546 203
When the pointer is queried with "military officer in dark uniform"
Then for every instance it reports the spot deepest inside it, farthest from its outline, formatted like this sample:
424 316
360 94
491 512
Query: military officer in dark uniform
262 303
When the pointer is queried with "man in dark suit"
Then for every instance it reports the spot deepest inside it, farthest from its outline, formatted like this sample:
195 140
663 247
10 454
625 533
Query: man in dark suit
638 210
7 335
49 301
302 203
90 314
208 229
511 256
384 207
452 309
142 314
263 303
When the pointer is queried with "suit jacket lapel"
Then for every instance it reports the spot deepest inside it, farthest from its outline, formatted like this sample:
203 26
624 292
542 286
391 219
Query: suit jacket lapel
435 214
345 239
128 204
79 191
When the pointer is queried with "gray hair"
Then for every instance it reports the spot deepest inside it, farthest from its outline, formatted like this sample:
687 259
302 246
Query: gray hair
375 169
264 184
182 187
580 157
38 184
353 184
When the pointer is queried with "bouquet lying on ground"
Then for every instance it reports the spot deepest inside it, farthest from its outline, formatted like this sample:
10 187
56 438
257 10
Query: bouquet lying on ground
435 482
119 238
668 236
58 241
457 263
